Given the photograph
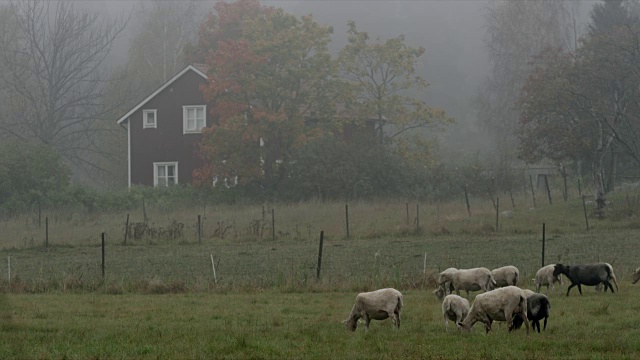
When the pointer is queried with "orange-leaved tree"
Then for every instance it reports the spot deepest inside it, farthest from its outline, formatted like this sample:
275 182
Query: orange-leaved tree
268 72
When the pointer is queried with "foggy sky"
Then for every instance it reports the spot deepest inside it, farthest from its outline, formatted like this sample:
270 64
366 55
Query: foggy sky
455 62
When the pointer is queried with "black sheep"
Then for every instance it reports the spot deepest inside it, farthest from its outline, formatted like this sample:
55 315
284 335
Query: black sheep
590 275
538 308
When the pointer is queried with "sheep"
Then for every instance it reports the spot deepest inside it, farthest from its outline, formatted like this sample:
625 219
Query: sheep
636 275
505 276
538 308
454 308
445 284
590 275
544 277
497 305
613 278
473 280
375 305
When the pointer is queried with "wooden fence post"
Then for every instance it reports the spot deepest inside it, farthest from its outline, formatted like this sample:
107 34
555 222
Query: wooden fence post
273 224
497 212
126 230
320 255
533 192
586 218
103 256
346 212
546 184
543 241
466 198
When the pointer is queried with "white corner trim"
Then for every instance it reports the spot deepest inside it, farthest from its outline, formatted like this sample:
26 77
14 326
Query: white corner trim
164 86
129 152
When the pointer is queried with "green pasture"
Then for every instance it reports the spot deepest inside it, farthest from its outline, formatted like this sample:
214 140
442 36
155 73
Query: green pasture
160 299
274 325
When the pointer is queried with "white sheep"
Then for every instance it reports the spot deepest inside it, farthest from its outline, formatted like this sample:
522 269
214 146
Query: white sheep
473 280
445 283
505 276
454 308
497 305
544 277
375 305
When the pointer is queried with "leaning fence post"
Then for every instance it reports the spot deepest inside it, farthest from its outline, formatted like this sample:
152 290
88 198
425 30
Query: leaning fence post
466 199
320 255
213 266
546 184
126 230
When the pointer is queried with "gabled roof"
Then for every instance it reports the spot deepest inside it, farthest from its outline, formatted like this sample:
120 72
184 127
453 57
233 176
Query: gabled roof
176 77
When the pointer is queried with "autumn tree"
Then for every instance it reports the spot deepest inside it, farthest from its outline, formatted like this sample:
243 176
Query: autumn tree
516 31
263 80
53 76
582 104
385 86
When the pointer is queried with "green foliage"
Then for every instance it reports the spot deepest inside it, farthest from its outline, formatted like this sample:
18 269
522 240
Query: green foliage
30 174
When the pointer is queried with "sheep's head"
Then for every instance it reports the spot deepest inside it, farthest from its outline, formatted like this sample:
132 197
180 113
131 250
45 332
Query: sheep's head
439 293
636 275
351 323
463 327
558 269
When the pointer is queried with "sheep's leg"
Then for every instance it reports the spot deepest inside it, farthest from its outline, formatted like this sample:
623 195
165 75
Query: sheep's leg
397 319
569 289
467 294
446 322
487 326
545 323
608 284
367 321
580 289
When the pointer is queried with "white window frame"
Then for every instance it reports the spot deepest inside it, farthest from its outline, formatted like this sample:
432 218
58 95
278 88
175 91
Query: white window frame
145 123
156 165
195 130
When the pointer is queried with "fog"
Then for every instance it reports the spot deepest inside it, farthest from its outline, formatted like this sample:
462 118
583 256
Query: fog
455 62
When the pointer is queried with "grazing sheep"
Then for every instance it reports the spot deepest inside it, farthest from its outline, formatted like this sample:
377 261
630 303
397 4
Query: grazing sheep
375 305
454 308
590 275
538 308
497 305
544 277
445 280
473 280
505 276
636 275
527 292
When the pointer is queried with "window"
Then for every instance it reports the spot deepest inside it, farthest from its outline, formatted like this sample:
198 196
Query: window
165 174
194 119
149 118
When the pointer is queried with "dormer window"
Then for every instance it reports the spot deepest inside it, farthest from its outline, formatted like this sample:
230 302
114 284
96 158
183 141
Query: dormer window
194 119
149 119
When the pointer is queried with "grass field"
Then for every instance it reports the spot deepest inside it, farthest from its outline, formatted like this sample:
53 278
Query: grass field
273 324
159 299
